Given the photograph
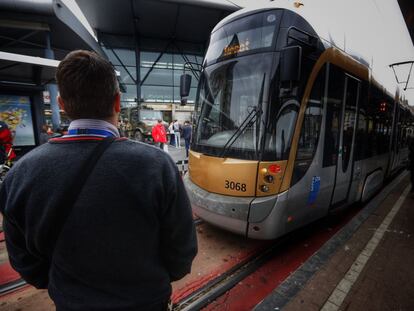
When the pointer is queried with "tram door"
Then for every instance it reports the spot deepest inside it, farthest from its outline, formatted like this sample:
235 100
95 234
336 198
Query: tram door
345 163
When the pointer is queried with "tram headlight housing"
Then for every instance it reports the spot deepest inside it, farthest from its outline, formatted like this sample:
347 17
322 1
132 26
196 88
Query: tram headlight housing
264 188
270 177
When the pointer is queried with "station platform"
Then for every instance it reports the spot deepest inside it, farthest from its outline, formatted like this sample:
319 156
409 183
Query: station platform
368 265
359 259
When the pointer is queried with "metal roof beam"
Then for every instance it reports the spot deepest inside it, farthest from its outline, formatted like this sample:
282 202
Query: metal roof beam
156 61
28 59
122 64
21 39
26 25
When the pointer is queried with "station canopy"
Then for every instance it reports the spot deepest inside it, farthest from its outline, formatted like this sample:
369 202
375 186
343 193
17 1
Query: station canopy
26 69
180 20
24 25
407 9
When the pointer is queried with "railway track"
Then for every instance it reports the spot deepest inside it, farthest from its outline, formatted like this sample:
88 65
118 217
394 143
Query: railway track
12 286
20 283
226 281
220 285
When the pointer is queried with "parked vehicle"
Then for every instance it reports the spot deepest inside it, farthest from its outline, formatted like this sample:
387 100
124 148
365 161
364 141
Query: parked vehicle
141 129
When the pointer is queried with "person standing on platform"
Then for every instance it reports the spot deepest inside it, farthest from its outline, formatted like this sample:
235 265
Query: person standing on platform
6 144
43 137
159 135
127 128
172 134
187 131
177 134
117 227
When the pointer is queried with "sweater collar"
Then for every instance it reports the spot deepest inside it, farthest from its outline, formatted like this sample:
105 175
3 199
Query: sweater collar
93 124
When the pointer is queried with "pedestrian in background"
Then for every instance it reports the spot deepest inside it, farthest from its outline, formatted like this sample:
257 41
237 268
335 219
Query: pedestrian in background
127 128
172 134
6 144
159 134
43 137
177 133
187 132
117 228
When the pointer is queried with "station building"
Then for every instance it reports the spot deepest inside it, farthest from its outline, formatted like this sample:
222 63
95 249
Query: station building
34 36
151 43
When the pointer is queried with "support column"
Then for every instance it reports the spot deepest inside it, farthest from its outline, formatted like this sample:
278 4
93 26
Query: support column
173 111
138 69
52 88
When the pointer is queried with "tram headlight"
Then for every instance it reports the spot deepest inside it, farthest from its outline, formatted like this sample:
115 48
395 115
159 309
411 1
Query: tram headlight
264 188
263 171
269 179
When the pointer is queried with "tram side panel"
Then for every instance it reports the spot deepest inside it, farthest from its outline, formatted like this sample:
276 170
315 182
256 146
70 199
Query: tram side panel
320 149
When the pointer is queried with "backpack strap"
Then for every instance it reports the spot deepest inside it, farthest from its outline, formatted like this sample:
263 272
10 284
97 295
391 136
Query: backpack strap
72 192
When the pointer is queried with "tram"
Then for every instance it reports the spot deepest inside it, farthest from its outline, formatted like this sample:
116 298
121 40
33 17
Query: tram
289 127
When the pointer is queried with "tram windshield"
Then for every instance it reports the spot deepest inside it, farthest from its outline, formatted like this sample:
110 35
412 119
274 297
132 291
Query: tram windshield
230 105
151 114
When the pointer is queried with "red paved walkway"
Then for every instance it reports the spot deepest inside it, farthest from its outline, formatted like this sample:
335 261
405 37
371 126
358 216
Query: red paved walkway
384 282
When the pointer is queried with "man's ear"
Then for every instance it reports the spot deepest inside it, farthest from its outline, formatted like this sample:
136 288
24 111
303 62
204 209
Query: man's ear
61 103
117 103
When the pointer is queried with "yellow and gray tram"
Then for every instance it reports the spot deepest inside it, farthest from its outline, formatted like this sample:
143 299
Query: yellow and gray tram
288 127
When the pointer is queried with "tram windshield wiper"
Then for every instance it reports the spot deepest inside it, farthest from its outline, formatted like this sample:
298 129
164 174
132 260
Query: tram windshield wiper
253 116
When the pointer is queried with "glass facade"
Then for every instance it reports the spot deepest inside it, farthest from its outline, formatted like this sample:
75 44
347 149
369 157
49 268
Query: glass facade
160 75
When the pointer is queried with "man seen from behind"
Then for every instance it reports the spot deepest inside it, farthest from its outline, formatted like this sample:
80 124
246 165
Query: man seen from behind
129 232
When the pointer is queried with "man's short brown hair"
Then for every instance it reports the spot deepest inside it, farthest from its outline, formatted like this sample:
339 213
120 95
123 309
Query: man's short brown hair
87 84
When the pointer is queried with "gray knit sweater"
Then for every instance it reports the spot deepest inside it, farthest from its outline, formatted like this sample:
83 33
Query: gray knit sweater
129 234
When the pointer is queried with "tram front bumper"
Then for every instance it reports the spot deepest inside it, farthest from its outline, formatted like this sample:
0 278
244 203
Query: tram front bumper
241 215
227 212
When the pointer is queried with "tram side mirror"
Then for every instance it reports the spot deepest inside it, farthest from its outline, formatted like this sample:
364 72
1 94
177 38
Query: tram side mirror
185 84
290 64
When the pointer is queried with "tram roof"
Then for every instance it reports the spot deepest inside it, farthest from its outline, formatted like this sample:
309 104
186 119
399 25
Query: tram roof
359 39
183 20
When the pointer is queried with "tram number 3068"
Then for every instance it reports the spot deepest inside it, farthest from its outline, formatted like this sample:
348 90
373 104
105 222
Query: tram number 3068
235 186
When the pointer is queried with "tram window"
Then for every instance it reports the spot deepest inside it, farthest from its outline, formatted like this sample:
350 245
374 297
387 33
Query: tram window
361 150
404 126
351 98
399 128
374 136
380 109
280 131
333 115
360 136
311 127
388 121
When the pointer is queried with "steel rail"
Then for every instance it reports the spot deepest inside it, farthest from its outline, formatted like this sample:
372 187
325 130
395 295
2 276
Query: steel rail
12 286
218 286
